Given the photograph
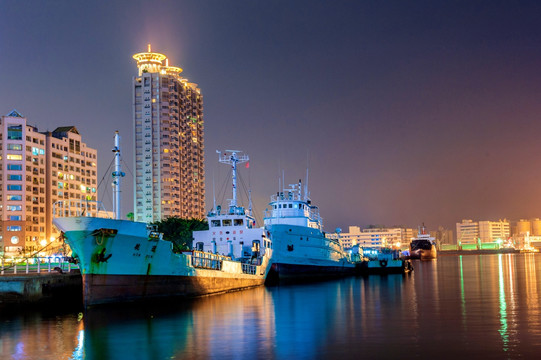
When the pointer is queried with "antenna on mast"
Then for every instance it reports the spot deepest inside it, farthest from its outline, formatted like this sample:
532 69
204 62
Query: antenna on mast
250 201
306 195
233 160
213 193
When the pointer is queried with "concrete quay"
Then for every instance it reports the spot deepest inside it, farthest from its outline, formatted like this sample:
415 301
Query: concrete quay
41 288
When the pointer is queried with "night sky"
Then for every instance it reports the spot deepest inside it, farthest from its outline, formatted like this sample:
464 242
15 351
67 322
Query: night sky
404 111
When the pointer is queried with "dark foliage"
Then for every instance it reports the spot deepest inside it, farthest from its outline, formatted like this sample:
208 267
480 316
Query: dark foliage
180 231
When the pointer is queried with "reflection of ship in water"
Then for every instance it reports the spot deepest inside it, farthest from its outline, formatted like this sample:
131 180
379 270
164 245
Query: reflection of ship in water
423 246
226 326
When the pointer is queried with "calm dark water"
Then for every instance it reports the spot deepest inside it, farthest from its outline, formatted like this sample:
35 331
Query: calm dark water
482 307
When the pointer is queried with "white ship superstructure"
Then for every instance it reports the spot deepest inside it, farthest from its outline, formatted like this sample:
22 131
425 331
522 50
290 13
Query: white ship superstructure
300 248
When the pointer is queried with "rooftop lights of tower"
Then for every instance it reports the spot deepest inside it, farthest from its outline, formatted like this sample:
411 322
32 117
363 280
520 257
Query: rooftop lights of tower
154 62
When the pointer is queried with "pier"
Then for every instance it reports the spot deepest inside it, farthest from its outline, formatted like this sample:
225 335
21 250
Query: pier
39 281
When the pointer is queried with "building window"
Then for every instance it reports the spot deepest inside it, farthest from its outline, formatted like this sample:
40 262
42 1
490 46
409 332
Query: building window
14 167
14 197
15 187
14 157
15 132
16 147
13 228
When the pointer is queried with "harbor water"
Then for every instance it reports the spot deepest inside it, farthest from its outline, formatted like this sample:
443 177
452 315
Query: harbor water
473 306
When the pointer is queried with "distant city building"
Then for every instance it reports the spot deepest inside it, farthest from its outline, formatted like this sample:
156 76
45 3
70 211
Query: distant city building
467 232
375 237
36 170
470 232
536 227
169 148
492 231
522 226
443 236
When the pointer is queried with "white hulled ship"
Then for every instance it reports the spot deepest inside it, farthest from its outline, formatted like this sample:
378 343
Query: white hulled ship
300 248
123 260
423 246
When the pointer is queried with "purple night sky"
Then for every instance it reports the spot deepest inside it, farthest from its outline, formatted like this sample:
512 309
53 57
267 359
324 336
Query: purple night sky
405 111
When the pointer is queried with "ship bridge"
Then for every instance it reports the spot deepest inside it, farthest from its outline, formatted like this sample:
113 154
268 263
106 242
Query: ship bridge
290 208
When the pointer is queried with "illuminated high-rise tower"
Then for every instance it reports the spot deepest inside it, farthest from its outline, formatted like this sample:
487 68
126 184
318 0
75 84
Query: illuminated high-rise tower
169 148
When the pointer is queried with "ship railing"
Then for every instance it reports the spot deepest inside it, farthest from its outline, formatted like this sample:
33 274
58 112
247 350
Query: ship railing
89 208
249 269
38 265
294 195
311 214
205 260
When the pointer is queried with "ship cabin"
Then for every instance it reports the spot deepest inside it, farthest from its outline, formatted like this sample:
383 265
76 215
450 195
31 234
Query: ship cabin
232 234
289 208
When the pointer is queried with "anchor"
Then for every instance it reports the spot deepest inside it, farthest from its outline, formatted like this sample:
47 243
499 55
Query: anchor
101 257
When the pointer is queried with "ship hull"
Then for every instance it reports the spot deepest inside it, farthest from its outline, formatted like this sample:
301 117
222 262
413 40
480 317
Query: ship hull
377 267
292 272
105 289
424 254
121 262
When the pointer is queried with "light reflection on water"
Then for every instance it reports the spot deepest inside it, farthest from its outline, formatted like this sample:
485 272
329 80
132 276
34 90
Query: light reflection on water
480 306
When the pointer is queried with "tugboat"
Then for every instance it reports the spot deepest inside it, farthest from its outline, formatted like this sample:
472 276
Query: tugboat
301 251
423 246
383 261
124 260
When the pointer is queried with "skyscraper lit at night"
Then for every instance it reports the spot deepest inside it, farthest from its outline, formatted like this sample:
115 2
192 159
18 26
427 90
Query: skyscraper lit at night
169 148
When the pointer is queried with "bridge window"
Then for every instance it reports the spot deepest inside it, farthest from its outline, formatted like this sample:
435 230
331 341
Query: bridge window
226 222
215 223
238 222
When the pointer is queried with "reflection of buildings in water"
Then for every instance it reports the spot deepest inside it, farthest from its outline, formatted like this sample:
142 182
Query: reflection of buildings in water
38 336
532 301
503 306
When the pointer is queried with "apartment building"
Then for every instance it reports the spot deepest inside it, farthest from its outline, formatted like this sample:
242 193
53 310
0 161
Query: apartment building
169 147
470 232
36 170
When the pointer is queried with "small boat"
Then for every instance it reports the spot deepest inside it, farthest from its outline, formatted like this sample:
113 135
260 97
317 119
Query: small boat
301 251
423 246
124 260
383 261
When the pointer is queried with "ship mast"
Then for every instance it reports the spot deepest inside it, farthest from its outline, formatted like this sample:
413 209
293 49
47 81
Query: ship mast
233 160
117 175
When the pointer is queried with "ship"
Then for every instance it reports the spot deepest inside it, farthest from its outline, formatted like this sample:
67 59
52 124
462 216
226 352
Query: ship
383 261
423 246
124 261
301 250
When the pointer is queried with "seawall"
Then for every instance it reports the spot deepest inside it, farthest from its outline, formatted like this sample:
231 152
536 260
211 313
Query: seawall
41 288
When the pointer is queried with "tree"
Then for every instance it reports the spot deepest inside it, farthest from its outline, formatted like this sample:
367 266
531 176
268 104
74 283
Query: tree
180 231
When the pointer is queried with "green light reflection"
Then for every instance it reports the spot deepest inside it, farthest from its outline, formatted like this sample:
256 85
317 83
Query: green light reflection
462 297
503 307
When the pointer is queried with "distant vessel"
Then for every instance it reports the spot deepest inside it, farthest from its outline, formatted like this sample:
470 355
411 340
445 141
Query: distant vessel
300 248
423 246
123 260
